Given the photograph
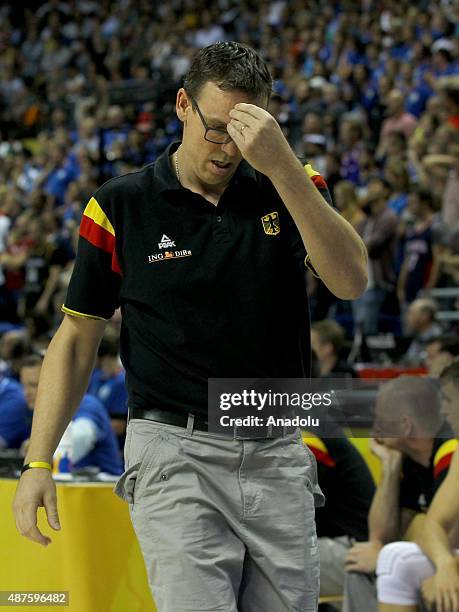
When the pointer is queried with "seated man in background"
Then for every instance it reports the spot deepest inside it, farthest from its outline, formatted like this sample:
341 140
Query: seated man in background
93 440
422 325
14 346
440 352
327 340
15 418
430 562
413 443
108 383
348 488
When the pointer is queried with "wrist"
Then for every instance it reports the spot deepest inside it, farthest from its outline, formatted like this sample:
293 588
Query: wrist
446 561
37 465
393 462
282 171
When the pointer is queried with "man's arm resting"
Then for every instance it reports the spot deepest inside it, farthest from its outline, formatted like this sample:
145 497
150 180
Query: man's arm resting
430 531
384 517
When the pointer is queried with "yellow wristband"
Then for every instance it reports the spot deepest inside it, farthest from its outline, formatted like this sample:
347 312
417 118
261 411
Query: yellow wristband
37 464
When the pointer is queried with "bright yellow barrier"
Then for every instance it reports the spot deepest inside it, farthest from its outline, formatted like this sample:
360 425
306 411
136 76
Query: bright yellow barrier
95 556
363 445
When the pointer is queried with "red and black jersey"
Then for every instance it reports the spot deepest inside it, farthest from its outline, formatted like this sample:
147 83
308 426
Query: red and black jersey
420 483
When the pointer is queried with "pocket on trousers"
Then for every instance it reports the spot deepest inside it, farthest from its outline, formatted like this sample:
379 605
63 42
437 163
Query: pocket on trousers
138 441
125 486
312 482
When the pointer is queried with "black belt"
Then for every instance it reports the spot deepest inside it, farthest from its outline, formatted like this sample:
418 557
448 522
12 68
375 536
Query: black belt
200 423
169 418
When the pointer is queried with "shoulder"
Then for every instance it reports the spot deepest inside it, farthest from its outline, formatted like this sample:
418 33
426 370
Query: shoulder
11 390
320 449
126 185
443 457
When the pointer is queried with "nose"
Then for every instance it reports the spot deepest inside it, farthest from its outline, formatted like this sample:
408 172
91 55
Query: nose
230 149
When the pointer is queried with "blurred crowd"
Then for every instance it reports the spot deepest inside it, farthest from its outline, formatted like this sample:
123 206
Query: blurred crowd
366 91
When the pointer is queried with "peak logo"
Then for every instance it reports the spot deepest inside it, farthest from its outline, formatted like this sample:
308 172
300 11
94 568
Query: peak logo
166 242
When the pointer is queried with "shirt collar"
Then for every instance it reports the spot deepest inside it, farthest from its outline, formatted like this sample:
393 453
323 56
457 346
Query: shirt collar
167 179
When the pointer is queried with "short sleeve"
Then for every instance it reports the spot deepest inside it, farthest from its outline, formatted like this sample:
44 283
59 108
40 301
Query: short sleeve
322 187
95 284
296 242
410 490
442 461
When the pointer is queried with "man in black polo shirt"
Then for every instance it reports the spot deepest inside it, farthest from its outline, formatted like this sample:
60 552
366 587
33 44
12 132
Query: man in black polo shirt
414 446
204 251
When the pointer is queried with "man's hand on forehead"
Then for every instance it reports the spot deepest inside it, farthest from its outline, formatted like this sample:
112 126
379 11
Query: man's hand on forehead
258 136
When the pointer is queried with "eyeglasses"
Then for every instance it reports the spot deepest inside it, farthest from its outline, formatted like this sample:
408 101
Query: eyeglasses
215 135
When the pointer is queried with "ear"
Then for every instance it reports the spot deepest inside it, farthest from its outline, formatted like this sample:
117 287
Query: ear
182 105
407 426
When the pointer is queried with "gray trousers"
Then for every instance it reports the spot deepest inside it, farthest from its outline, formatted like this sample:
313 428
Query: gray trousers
224 524
360 593
333 552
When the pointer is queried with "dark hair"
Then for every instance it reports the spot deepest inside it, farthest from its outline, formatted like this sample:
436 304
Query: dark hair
31 361
330 332
425 197
449 343
451 371
230 65
109 346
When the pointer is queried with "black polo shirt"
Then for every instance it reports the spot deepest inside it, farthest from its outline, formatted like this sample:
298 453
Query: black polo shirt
347 484
419 483
205 291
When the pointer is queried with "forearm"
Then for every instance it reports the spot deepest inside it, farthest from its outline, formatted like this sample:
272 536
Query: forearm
334 247
384 515
432 538
63 381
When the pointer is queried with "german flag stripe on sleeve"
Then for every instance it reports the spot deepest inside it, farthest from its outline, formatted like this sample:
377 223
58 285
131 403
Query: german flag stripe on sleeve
443 456
319 449
96 228
315 177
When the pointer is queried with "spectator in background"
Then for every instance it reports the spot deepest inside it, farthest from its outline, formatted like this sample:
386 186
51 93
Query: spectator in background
440 352
398 120
414 445
352 149
348 488
420 267
429 563
15 418
347 202
422 325
14 346
93 441
46 259
78 87
108 383
327 340
378 231
396 175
